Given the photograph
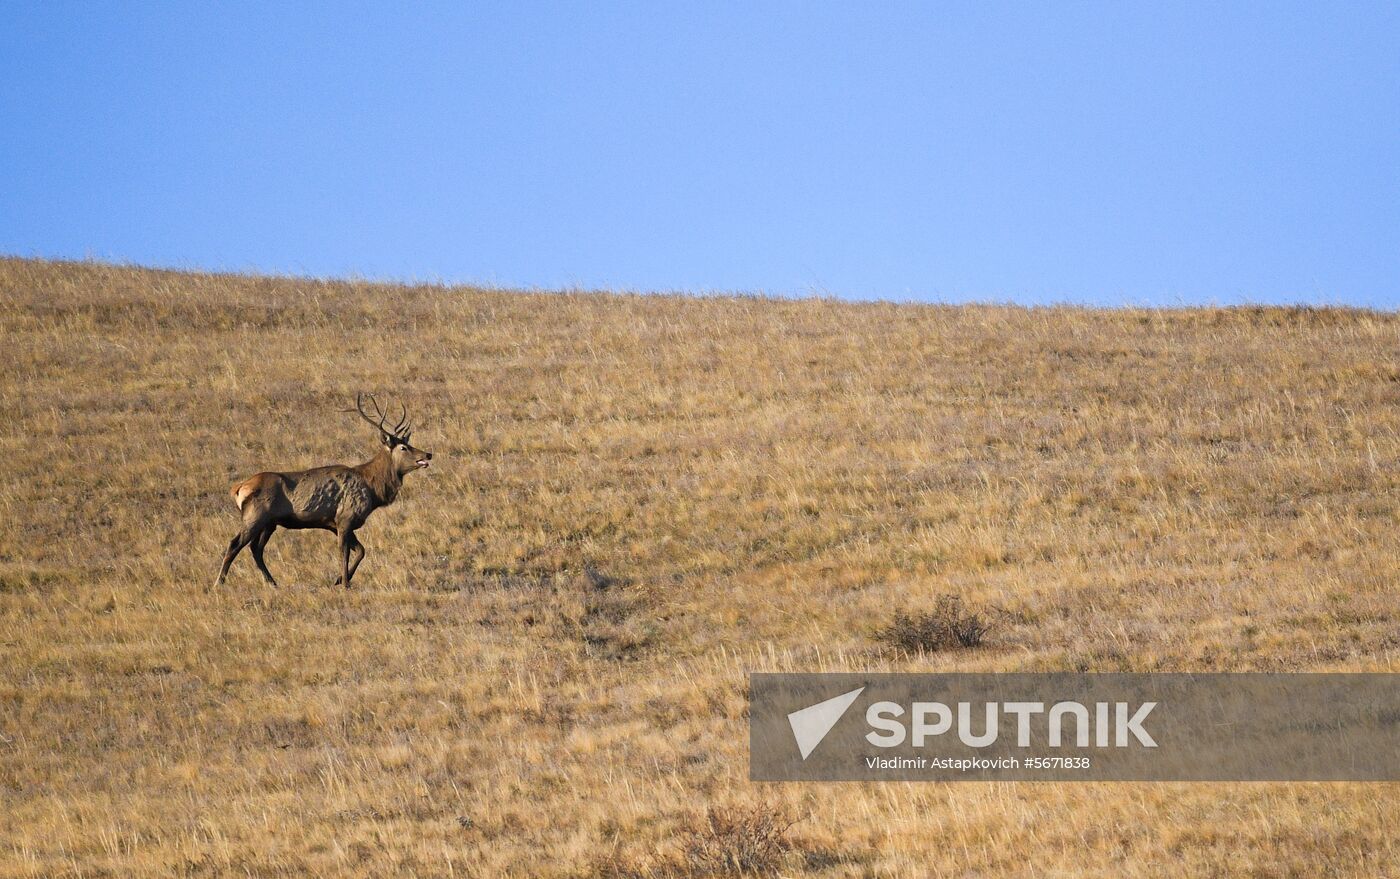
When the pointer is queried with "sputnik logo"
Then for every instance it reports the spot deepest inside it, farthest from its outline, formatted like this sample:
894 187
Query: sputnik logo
811 724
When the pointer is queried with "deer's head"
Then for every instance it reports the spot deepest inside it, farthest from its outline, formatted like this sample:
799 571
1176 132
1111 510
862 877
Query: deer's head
404 456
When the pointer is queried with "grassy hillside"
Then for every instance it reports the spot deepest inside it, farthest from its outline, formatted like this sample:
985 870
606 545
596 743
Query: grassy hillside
633 502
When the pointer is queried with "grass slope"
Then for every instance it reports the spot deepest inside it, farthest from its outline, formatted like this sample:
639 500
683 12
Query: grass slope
635 501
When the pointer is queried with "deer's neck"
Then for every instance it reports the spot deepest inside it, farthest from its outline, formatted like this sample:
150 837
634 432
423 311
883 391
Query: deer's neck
382 477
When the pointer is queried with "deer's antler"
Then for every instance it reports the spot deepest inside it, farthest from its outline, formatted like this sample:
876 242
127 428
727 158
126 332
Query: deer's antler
400 431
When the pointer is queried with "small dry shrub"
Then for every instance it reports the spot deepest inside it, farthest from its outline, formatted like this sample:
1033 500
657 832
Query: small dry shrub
738 840
950 625
734 840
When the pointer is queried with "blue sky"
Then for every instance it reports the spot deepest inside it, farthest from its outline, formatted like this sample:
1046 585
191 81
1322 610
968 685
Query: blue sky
1116 153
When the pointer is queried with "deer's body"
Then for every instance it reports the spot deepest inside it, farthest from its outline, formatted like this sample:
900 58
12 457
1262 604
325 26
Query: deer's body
331 497
336 498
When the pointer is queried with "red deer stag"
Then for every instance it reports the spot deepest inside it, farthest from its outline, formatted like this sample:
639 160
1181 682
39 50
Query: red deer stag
336 498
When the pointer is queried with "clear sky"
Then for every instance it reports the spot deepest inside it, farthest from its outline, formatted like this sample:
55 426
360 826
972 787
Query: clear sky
1118 152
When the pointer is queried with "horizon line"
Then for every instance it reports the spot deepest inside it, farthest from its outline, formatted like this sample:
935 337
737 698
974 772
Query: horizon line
814 294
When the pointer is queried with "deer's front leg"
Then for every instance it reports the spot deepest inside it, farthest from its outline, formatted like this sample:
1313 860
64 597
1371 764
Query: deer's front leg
357 555
347 543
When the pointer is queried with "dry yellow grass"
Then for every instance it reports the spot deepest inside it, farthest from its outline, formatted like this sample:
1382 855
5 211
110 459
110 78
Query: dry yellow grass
634 502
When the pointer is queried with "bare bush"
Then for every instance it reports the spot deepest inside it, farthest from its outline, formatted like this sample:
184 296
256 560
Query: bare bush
950 625
738 840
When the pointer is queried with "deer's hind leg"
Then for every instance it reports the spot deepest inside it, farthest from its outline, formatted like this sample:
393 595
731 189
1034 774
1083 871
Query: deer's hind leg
235 546
259 542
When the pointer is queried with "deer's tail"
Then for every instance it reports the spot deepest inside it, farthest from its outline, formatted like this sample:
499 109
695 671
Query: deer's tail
241 491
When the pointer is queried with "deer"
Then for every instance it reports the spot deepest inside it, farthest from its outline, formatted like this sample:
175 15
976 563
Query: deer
336 498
